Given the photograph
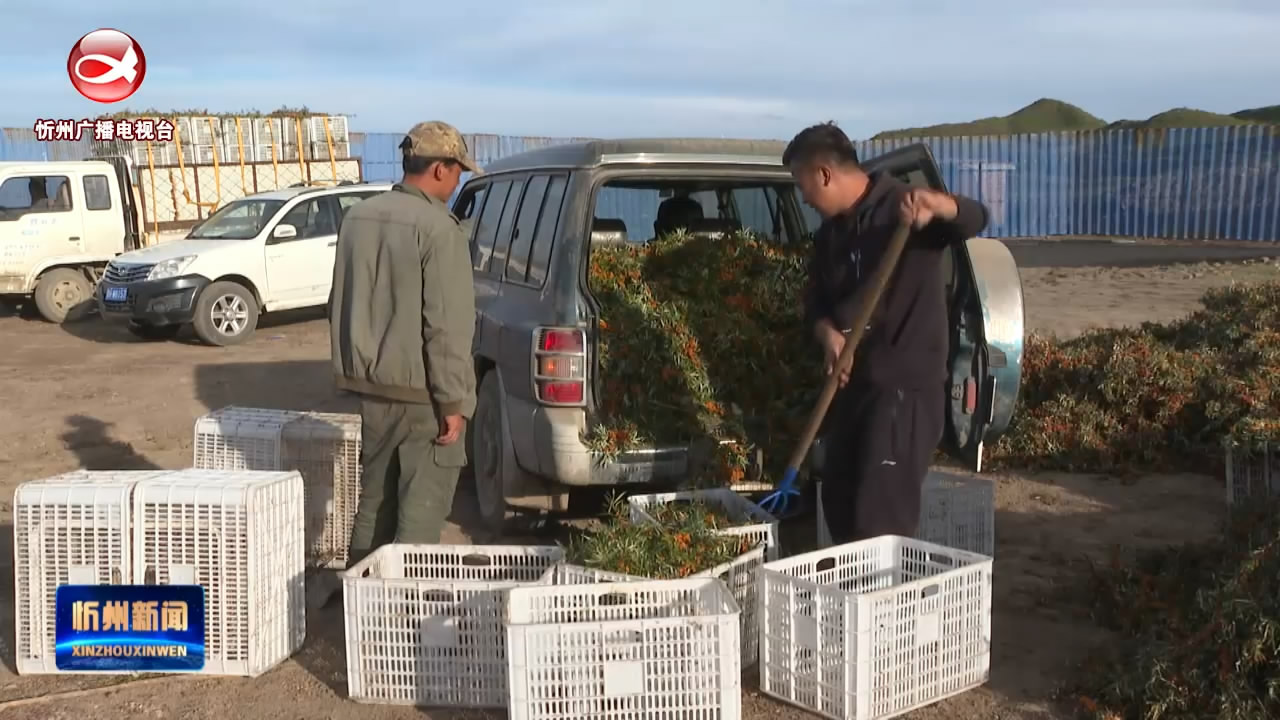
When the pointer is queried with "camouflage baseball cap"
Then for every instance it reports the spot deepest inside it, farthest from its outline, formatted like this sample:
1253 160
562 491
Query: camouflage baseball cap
437 139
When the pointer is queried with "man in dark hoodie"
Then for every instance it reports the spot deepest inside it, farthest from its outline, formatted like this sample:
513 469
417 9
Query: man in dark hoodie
887 419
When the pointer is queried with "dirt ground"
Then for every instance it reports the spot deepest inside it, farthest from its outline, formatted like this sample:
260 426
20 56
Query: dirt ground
90 396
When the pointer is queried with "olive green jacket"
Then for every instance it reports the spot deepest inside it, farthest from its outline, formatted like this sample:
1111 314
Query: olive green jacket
402 310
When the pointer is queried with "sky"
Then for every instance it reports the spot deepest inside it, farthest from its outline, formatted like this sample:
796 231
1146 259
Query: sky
710 68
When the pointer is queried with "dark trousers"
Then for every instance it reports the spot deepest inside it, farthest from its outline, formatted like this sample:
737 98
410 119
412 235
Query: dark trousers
878 443
407 480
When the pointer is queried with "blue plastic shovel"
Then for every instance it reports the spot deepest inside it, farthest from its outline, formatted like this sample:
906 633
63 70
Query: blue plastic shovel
779 500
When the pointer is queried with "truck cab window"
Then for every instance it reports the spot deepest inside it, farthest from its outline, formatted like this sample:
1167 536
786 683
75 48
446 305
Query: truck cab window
97 192
34 194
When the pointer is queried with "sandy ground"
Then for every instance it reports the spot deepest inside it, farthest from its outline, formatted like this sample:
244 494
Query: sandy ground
90 396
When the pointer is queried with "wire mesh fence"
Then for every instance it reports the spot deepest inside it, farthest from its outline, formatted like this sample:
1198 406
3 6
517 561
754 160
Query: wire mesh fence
184 180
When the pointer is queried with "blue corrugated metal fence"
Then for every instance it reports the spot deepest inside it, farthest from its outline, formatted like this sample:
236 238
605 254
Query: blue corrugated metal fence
21 144
1196 183
1202 183
380 152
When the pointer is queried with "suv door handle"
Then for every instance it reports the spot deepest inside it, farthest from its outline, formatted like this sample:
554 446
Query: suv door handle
335 242
74 238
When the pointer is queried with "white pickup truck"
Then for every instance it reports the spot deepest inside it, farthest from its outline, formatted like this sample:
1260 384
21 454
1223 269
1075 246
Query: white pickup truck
267 252
60 224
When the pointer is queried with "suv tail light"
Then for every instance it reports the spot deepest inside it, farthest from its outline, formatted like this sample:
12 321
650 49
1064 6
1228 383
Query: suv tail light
560 366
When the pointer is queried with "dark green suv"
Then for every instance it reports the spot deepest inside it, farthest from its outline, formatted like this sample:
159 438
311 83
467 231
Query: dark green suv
533 220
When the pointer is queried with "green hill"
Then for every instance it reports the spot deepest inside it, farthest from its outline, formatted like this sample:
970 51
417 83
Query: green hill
1039 116
1046 115
1179 118
1269 114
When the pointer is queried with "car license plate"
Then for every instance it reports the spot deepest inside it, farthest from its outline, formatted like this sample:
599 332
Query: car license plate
117 294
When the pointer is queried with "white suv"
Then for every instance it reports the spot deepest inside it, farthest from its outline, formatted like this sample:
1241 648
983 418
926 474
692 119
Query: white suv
263 253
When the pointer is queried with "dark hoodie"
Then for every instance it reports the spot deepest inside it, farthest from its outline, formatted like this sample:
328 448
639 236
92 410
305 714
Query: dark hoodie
907 340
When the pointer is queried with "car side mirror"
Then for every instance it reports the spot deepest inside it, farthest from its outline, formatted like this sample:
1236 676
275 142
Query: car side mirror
284 231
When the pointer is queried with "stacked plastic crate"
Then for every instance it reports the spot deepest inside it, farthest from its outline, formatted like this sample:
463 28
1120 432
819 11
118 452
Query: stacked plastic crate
750 522
237 534
874 629
424 623
644 649
324 447
515 627
72 529
955 511
327 131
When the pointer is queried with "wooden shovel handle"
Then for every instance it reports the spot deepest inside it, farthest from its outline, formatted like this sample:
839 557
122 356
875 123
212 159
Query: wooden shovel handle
866 303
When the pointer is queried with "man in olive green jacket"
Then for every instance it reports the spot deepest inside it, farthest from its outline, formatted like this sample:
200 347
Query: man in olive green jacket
402 316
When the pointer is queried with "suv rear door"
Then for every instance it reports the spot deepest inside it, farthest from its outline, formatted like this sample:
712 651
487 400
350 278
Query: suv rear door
511 223
986 316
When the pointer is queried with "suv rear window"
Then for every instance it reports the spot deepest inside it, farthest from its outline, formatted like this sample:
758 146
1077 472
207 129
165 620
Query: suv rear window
640 210
526 223
487 225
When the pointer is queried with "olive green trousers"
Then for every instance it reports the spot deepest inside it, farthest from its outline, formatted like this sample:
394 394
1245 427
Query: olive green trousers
407 481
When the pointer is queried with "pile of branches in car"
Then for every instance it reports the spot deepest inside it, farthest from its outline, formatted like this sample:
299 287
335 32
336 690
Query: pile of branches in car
702 340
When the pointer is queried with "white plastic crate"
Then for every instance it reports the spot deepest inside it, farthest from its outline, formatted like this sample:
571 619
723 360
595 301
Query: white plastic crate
757 525
1253 472
70 529
424 622
955 511
240 535
739 575
569 574
874 629
653 649
238 438
324 447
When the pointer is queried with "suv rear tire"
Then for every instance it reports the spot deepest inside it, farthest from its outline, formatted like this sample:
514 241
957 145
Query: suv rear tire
226 314
64 295
490 455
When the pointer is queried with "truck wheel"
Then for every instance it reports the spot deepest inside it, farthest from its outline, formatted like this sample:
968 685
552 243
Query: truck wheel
226 314
63 295
153 332
490 455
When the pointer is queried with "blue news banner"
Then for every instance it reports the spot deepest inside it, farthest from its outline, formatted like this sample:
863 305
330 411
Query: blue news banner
130 628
